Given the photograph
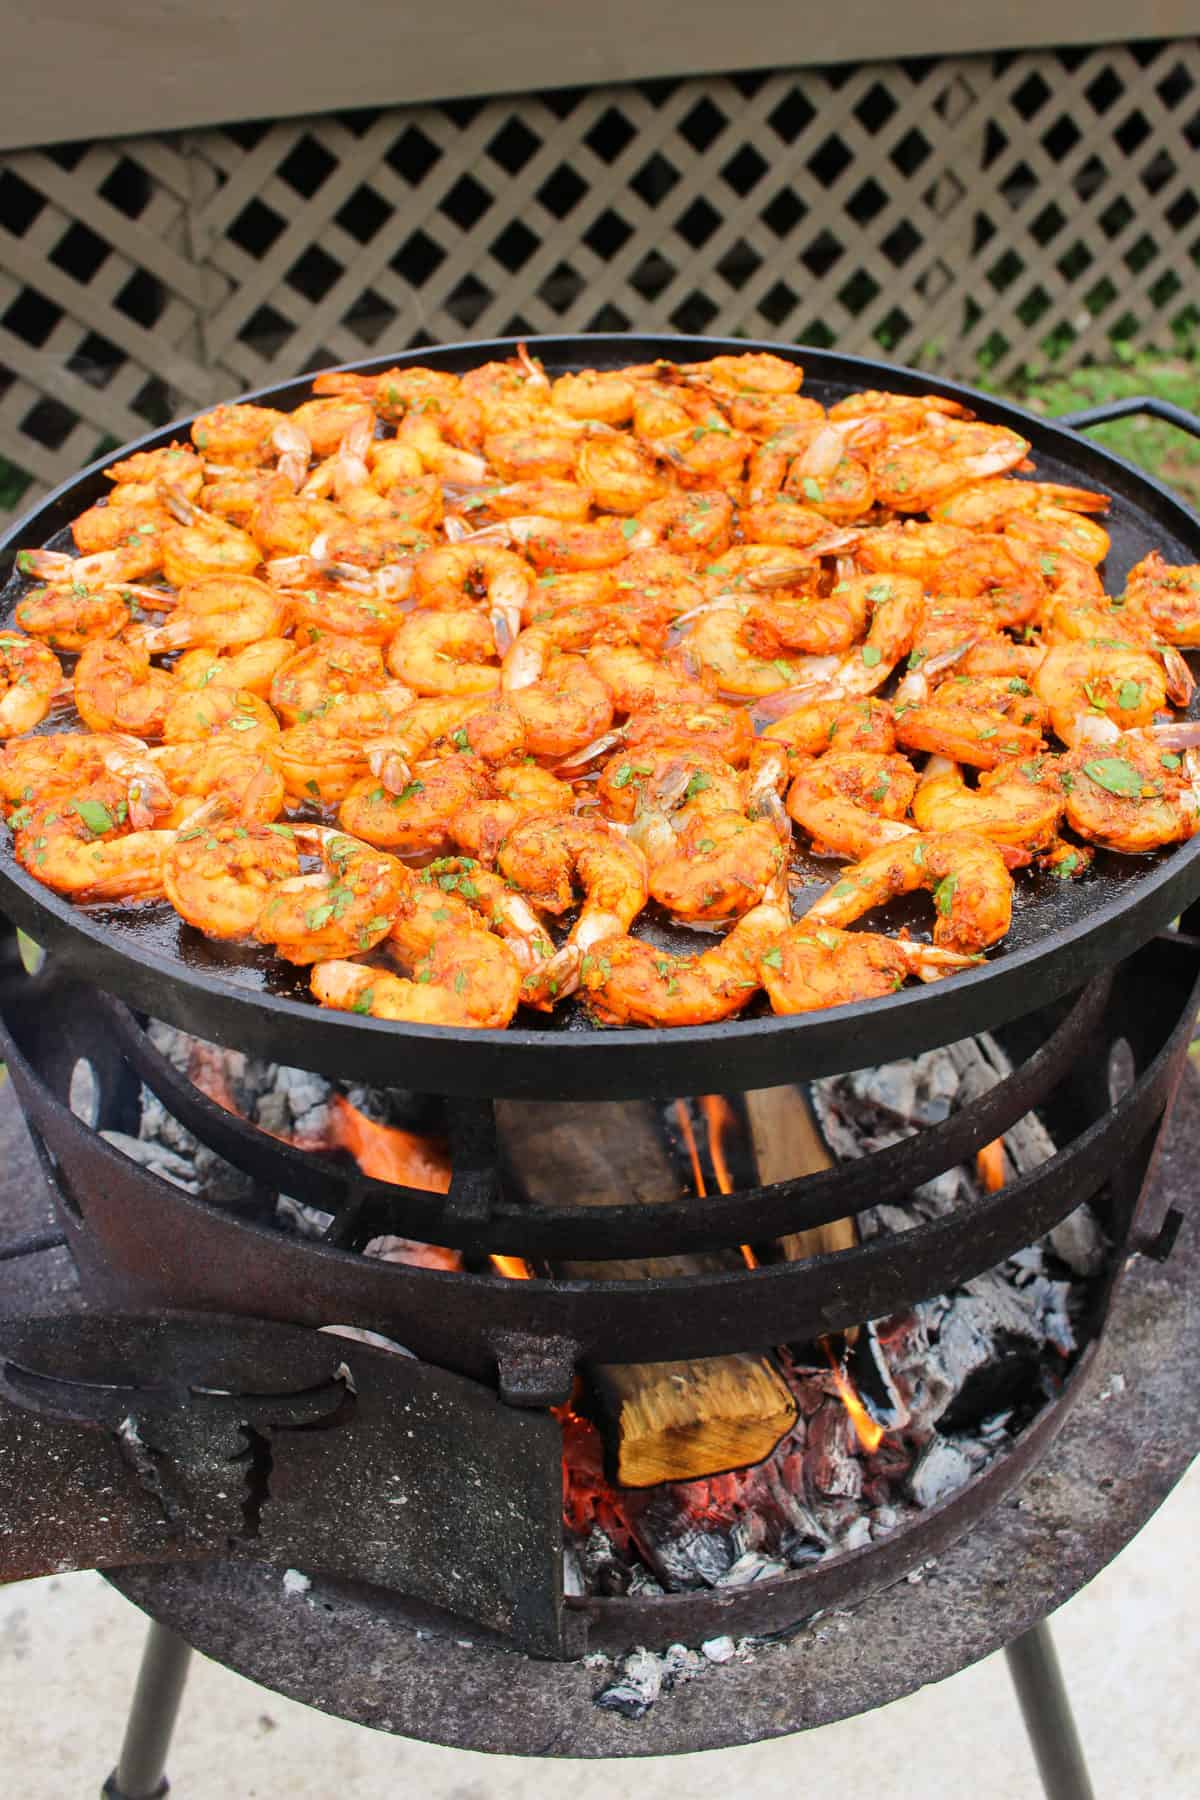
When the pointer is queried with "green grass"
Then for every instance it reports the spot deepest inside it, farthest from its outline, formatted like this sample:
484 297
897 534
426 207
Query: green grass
1165 451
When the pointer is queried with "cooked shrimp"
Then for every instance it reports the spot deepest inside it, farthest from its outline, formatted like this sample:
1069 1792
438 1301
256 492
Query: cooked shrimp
1131 794
168 785
603 395
697 523
812 728
425 434
1011 806
630 982
465 978
219 877
328 421
695 723
204 546
455 575
452 883
237 434
1052 530
1168 596
68 618
347 906
302 687
711 863
999 574
718 638
122 524
909 547
117 689
965 873
522 792
811 967
754 372
345 611
851 800
80 844
555 861
557 544
31 677
987 505
785 521
622 474
176 464
196 714
914 474
1079 680
982 720
422 816
832 480
708 779
253 666
561 709
224 612
31 766
448 653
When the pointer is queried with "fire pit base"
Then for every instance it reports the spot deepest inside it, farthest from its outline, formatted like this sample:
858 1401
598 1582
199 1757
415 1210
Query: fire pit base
359 1654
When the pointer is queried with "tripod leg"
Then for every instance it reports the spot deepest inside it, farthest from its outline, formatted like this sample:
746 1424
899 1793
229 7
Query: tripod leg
1033 1665
140 1773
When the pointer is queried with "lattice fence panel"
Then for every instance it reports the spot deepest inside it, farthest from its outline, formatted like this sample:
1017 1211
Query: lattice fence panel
970 214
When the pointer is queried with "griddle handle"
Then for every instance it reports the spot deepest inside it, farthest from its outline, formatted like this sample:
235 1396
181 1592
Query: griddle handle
1108 410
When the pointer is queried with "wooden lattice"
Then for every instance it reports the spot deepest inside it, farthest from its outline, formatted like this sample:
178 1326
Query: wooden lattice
970 214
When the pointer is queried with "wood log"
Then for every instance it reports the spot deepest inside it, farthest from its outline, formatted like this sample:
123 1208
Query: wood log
668 1421
786 1143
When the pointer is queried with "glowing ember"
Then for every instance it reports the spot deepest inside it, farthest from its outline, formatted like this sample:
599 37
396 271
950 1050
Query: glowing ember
868 1431
989 1165
511 1266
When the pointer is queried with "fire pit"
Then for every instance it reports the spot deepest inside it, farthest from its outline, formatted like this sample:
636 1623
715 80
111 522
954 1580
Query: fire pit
589 1396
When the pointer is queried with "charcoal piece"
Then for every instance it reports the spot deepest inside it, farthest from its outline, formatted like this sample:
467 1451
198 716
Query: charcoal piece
601 1565
799 1550
941 1194
829 1460
642 1585
857 1535
942 1468
637 1687
892 1088
1079 1242
871 1374
168 1164
682 1553
305 1221
1005 1381
750 1567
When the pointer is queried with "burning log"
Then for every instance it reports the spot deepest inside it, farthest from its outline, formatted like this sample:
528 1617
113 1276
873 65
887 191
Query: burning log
670 1421
787 1143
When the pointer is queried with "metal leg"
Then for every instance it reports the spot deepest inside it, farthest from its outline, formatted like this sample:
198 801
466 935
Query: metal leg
1046 1709
141 1772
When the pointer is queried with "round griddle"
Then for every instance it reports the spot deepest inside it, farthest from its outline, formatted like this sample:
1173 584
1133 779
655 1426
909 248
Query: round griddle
1062 932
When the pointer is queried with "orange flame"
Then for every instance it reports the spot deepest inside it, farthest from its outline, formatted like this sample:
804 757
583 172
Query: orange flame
514 1267
989 1165
868 1430
683 1118
386 1152
720 1118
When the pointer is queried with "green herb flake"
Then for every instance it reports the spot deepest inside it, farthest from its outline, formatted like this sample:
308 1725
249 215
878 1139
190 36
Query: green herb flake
812 489
773 958
96 817
943 895
1115 776
697 784
1066 866
628 528
1169 760
841 890
318 916
871 655
1129 695
363 1003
